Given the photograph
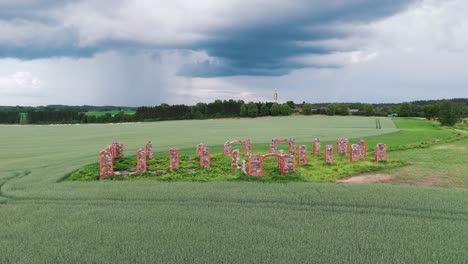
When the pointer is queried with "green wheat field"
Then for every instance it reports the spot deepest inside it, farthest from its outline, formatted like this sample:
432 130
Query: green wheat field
47 218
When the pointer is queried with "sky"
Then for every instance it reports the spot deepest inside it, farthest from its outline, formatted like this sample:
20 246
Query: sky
147 52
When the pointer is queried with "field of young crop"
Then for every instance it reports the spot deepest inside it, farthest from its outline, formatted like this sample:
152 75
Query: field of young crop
44 219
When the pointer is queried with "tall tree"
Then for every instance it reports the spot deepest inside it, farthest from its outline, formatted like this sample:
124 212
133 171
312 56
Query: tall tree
306 108
450 113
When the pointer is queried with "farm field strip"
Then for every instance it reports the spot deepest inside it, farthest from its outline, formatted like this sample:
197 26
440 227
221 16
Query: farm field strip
46 220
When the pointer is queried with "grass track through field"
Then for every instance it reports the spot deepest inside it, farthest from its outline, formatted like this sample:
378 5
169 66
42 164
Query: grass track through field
46 221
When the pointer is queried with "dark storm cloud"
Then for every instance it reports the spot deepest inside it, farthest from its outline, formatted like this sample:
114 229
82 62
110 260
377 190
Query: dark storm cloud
260 48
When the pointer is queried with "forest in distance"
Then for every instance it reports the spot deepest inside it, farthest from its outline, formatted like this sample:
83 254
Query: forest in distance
447 111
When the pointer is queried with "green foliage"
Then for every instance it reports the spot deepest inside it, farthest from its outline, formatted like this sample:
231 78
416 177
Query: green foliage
406 109
331 109
285 110
369 110
291 104
450 113
252 109
264 110
243 110
275 109
307 109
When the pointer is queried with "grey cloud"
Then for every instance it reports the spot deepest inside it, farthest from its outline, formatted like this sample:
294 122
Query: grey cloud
250 39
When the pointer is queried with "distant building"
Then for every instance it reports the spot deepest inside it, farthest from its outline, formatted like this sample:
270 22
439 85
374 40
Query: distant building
352 111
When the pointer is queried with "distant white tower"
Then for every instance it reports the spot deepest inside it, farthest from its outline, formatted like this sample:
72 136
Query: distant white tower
275 96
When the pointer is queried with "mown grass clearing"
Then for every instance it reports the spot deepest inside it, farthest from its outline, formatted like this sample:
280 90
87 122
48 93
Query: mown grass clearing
315 171
47 220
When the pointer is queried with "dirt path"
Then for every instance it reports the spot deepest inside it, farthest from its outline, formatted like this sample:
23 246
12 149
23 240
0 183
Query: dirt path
393 178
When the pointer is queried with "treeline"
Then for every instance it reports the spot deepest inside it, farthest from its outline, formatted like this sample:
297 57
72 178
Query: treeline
10 117
65 108
216 109
447 111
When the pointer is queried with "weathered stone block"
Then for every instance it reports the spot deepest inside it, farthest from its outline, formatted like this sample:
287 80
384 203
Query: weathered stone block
173 159
255 168
363 149
141 161
199 149
288 164
380 152
247 146
106 164
205 161
118 150
342 146
149 150
316 146
355 153
301 155
235 157
275 142
329 154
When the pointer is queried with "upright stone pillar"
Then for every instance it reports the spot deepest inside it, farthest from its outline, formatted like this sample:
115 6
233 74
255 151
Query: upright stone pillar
281 161
316 145
235 156
329 154
381 152
342 145
272 147
205 161
247 147
355 153
200 148
173 159
289 164
149 150
363 149
292 146
106 164
141 161
226 148
301 155
119 150
255 168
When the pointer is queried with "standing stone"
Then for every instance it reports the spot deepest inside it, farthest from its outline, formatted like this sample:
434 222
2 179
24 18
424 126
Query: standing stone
289 164
355 153
247 147
244 167
272 147
106 164
255 168
342 145
205 161
199 149
149 150
316 146
381 152
329 154
118 150
226 148
301 155
363 149
141 161
281 161
173 159
292 146
235 158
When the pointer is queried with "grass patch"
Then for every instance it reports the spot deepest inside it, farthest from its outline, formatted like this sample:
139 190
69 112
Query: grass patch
315 171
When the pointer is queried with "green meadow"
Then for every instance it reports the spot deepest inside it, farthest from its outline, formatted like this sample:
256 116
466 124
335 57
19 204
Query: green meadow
46 217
